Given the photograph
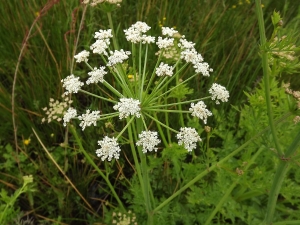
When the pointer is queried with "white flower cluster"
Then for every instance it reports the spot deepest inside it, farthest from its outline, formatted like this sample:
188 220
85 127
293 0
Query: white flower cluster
109 149
148 139
127 107
89 118
102 43
72 84
70 114
189 137
56 109
218 92
103 34
168 31
96 2
82 56
96 75
121 218
184 44
199 110
189 54
136 33
169 53
164 69
117 57
165 43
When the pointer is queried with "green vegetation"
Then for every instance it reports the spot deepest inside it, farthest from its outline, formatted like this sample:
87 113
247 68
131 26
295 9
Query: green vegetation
244 171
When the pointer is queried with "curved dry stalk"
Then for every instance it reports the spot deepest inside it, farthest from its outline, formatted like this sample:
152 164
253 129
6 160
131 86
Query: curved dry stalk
60 169
41 13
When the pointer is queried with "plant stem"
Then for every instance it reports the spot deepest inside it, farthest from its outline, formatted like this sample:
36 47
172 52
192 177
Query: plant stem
111 25
179 100
265 67
146 182
77 39
278 179
89 159
135 158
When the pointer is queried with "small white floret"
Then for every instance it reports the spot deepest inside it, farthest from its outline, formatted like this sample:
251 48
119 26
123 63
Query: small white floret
89 118
218 92
82 56
199 110
188 137
96 75
127 107
109 149
148 140
164 70
70 114
72 84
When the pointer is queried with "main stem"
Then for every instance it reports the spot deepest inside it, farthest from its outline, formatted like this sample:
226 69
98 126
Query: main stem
145 183
265 67
90 160
284 164
278 179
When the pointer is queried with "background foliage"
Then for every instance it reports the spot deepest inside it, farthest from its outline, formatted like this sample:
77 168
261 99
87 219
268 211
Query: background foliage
226 34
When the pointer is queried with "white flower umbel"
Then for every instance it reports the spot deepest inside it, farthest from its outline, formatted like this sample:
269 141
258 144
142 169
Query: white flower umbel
218 92
148 139
96 75
135 33
147 39
190 55
127 107
169 53
71 113
100 46
117 57
199 110
89 118
189 137
141 27
203 68
132 35
82 56
184 44
56 109
103 34
109 149
71 84
164 69
164 43
96 2
168 31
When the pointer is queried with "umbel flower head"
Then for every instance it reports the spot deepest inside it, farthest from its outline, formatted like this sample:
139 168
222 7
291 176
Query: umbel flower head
140 93
56 109
188 137
89 118
199 110
96 2
219 92
127 107
148 139
72 84
109 149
